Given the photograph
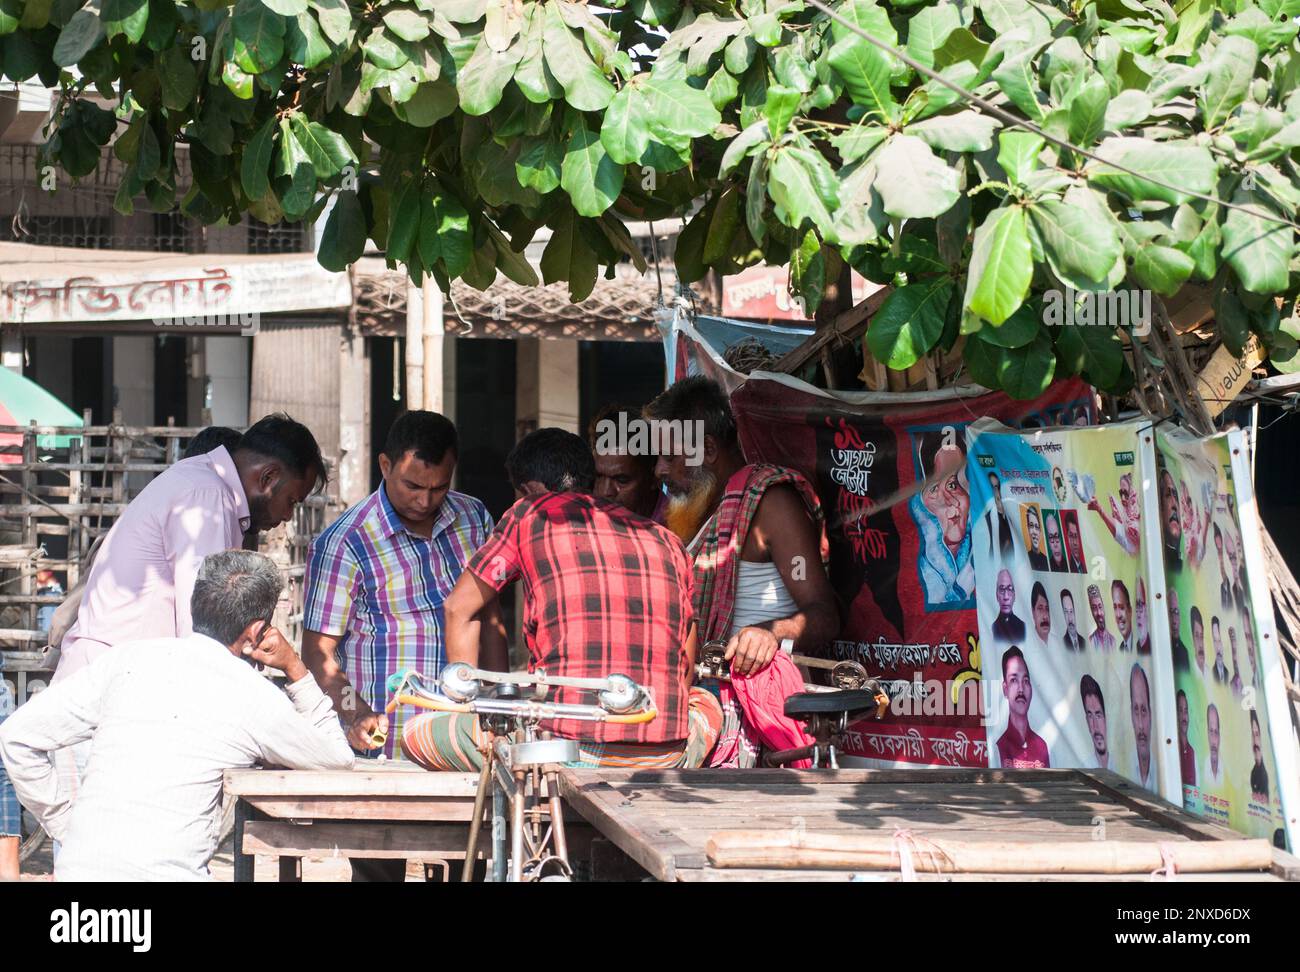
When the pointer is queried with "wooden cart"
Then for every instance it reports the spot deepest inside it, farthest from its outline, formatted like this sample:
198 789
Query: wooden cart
663 819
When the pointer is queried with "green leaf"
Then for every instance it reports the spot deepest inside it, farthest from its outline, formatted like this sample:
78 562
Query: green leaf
756 198
256 163
766 29
238 82
1088 111
78 36
585 86
865 71
1001 265
1258 249
127 17
1016 331
1182 167
861 139
1018 154
929 29
794 189
177 77
511 263
1129 107
1232 320
343 241
961 45
568 257
538 165
741 147
625 131
532 76
1094 352
909 323
807 270
913 182
1161 268
287 8
861 216
782 105
406 24
431 102
1080 243
259 37
403 222
1230 70
592 179
1019 80
306 44
1026 372
678 108
965 131
327 150
483 79
722 226
335 19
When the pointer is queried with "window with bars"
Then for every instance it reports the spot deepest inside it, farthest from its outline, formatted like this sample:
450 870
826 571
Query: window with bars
282 238
86 232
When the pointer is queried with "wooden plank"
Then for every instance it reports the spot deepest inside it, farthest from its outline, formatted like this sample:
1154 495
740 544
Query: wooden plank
363 808
820 778
847 326
947 795
367 840
396 779
723 875
600 804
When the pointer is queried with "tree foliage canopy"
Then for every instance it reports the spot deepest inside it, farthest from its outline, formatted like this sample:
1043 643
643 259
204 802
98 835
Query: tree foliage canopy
450 131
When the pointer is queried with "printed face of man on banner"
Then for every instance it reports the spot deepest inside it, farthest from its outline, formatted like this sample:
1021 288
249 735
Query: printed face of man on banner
1140 705
1094 713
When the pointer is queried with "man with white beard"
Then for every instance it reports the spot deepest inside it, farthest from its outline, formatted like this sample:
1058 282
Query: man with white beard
755 532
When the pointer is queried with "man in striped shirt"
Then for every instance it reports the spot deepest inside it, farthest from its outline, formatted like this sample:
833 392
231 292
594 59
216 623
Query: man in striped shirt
377 577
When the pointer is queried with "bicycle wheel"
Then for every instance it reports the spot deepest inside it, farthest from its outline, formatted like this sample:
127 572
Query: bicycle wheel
33 837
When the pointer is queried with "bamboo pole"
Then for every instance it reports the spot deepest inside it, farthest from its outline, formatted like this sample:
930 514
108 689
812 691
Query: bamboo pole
795 849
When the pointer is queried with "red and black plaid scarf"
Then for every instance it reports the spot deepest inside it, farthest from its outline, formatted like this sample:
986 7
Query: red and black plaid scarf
717 553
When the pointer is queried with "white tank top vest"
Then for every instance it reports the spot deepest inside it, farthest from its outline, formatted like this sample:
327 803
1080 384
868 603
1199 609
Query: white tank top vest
761 596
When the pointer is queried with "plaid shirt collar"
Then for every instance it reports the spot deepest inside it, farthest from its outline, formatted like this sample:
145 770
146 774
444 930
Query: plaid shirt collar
390 524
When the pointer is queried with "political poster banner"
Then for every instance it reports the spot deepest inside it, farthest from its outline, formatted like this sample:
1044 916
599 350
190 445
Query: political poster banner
1230 701
891 473
1069 601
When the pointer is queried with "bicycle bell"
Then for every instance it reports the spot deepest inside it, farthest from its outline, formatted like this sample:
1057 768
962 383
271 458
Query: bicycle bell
623 695
458 682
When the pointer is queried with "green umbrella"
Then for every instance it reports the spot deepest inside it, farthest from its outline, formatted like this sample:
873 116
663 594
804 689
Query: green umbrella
22 402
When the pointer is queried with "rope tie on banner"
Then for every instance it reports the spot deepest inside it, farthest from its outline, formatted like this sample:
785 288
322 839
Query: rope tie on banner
906 843
1170 866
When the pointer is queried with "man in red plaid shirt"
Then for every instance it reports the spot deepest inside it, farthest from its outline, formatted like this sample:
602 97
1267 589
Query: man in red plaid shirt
605 591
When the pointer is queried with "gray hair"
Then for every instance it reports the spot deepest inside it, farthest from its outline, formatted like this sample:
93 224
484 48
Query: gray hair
234 589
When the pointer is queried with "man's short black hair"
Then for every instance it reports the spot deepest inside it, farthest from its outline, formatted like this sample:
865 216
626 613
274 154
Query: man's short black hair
1088 687
211 438
1065 592
1196 617
290 443
1037 591
429 435
557 459
698 399
1010 653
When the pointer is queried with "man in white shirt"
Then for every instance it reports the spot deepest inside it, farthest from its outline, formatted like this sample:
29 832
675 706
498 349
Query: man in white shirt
165 718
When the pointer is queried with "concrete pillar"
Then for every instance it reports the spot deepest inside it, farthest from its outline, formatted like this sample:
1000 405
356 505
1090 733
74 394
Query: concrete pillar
226 370
430 361
354 418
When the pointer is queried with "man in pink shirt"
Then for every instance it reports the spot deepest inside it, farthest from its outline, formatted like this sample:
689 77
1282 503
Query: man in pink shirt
140 584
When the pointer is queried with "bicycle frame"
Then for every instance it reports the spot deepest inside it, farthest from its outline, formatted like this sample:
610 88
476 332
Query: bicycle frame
520 767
